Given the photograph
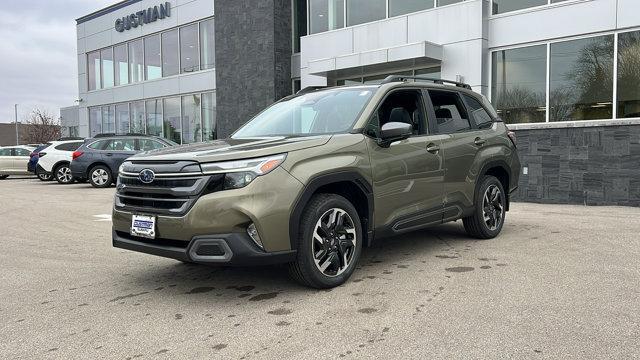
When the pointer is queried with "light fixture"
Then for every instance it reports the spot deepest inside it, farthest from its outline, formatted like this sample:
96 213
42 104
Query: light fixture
253 234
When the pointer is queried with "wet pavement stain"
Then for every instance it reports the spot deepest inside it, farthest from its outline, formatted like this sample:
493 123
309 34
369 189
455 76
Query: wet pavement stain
485 267
242 288
501 264
283 323
178 316
460 269
447 256
219 346
127 296
367 310
162 351
266 296
200 290
281 311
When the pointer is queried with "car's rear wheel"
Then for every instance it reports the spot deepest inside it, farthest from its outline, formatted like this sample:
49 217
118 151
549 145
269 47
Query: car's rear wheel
2 177
100 176
490 204
63 174
43 176
329 242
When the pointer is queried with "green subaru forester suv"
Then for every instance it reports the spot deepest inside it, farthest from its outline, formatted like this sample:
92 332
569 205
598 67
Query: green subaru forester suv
321 174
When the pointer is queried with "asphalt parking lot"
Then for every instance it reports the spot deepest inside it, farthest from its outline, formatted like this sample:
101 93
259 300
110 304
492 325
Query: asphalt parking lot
560 282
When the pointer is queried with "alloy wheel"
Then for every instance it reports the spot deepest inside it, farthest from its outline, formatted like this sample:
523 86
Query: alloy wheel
64 174
99 176
492 208
334 242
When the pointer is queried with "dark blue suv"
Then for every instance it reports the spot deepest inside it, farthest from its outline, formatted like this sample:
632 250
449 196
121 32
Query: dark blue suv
99 158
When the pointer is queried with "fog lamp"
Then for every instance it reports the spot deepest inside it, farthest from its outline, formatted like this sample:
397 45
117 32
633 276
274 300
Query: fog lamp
253 234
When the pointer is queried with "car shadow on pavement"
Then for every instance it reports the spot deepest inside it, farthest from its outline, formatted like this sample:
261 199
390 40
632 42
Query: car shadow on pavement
232 284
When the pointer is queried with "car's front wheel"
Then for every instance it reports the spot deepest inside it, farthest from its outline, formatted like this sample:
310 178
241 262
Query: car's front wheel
63 174
490 205
329 242
100 176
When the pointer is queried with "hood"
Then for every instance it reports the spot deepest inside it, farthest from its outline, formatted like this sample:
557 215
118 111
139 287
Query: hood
233 149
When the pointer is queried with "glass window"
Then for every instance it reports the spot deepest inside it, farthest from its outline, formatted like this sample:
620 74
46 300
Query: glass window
208 116
191 126
170 53
71 146
122 118
581 85
518 84
629 75
363 11
22 152
98 145
433 72
95 121
477 112
120 145
326 15
332 111
154 117
108 120
136 55
401 7
503 6
149 144
449 2
208 44
121 64
137 117
189 49
171 116
93 68
451 116
299 23
107 67
5 152
153 64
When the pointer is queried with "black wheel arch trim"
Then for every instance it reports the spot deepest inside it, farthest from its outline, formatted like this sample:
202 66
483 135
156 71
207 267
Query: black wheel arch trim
327 179
58 164
504 166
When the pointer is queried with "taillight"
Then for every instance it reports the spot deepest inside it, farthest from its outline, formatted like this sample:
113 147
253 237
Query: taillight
41 154
512 136
33 154
76 154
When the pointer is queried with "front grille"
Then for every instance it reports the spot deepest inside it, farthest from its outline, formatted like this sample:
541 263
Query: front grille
174 194
157 241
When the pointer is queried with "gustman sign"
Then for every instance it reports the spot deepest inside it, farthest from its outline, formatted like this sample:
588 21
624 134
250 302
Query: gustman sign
143 17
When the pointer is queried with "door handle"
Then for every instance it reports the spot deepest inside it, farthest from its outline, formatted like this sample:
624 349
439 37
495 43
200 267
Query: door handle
109 154
433 148
479 141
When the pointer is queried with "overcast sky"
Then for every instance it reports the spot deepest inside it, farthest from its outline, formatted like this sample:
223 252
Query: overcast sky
38 61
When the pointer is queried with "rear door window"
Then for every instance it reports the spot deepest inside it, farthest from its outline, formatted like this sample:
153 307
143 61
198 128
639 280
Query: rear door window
5 152
451 115
72 146
125 144
22 152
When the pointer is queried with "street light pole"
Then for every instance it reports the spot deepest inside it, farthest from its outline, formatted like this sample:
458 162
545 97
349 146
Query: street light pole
15 108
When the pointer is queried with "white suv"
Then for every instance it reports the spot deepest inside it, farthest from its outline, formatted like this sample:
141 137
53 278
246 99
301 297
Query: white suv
56 158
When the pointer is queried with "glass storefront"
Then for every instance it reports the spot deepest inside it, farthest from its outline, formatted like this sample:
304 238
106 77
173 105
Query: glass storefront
184 119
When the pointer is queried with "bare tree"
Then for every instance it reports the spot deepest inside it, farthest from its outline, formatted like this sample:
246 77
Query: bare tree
41 127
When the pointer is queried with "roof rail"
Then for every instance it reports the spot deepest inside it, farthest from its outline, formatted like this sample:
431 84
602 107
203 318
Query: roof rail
309 89
68 138
103 135
399 78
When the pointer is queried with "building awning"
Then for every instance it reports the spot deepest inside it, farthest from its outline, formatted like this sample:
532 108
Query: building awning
420 50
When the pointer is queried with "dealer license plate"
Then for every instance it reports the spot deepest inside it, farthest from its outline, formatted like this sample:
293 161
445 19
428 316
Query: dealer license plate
144 226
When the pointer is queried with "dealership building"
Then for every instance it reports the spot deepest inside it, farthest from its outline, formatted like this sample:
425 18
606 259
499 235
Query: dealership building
564 74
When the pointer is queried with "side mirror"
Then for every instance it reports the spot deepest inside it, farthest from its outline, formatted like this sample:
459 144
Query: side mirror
394 131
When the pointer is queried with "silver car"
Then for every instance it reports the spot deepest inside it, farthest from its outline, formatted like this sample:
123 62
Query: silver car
14 160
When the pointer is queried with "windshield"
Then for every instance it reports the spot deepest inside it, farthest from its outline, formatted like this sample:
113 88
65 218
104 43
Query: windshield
321 112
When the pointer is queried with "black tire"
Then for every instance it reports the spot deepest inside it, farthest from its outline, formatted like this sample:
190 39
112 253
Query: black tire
476 225
100 176
2 177
43 176
62 174
304 269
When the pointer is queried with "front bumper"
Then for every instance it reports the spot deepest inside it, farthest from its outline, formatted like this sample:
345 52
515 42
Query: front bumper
235 249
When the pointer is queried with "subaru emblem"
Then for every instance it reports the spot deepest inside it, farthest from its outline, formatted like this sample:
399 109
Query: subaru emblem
146 176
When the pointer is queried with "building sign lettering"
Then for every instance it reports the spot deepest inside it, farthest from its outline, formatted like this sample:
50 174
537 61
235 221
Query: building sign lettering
143 17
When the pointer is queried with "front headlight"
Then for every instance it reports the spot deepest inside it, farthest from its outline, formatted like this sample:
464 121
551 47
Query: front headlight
240 173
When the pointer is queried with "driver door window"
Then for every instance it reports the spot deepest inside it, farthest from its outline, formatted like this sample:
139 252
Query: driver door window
403 106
